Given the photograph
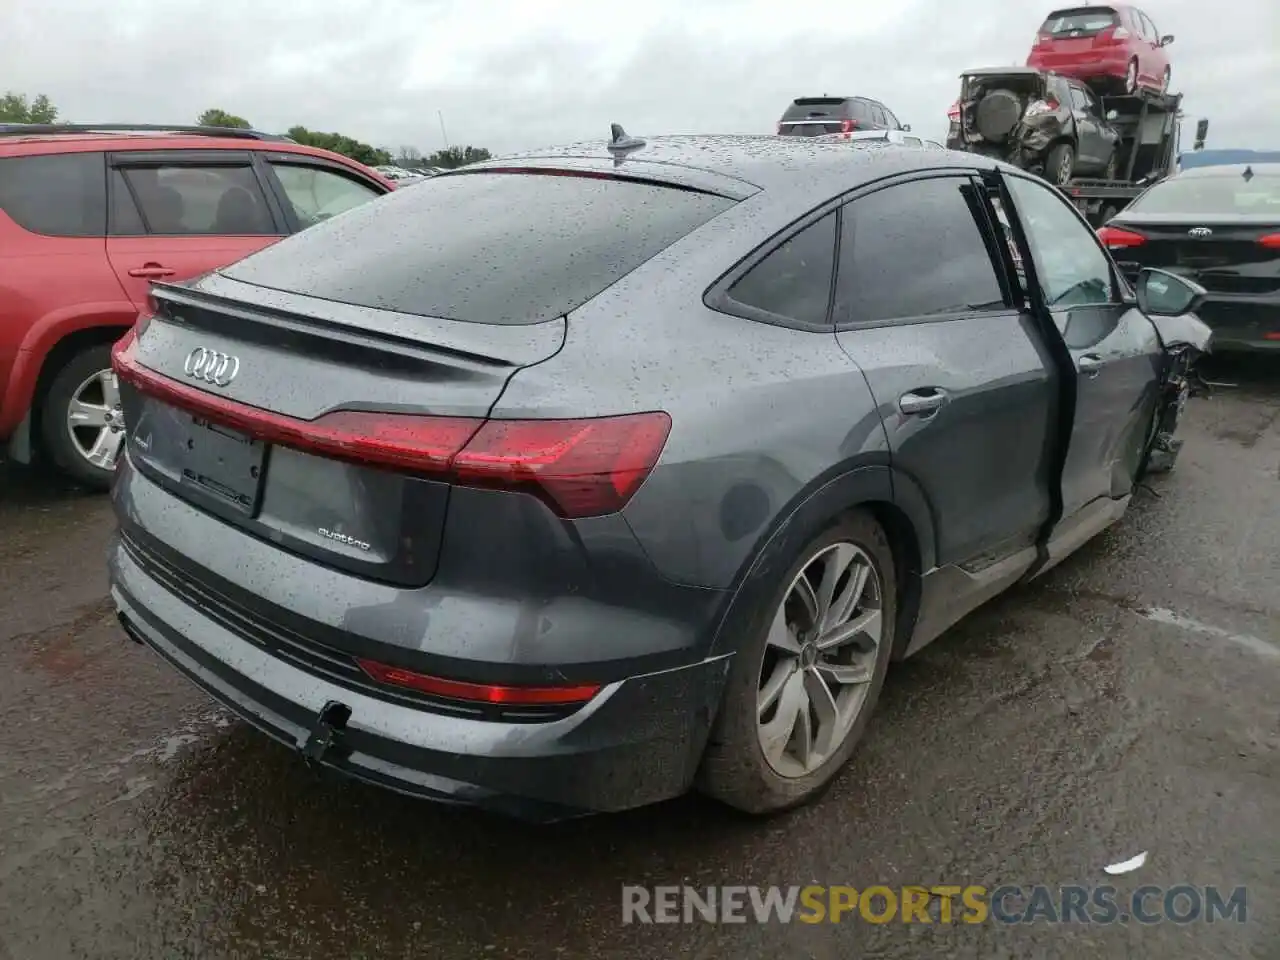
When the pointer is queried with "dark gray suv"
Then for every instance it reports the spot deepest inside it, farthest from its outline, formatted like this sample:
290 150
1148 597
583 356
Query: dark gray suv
568 481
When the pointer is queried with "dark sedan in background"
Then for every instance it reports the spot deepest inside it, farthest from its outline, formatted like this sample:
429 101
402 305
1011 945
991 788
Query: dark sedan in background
1218 226
568 481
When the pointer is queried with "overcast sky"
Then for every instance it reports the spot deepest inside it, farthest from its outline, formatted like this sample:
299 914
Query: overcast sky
516 74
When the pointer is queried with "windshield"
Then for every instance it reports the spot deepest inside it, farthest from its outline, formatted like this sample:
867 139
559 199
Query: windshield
506 248
1203 196
1079 22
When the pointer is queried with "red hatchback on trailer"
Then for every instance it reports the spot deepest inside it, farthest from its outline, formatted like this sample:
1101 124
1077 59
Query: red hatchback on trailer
1115 47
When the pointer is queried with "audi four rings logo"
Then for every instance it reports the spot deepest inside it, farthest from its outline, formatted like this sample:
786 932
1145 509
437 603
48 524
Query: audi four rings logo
211 366
1200 232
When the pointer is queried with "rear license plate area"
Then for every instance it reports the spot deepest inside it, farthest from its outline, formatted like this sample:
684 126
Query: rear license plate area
223 462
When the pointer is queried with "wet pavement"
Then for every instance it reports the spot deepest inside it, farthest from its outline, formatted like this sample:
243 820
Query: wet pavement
1128 702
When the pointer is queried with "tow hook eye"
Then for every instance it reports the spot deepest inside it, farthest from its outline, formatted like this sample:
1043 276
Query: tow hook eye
331 723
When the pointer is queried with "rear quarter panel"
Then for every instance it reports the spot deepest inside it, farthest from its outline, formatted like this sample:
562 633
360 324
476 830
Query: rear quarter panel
50 287
760 413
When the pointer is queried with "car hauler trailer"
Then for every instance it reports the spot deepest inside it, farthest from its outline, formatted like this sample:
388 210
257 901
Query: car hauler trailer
1149 124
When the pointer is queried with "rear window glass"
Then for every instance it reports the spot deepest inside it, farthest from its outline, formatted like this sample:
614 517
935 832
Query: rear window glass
816 108
506 248
1080 21
58 195
1212 195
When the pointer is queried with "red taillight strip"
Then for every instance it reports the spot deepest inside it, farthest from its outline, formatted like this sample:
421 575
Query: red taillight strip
1271 241
579 468
479 692
1117 239
422 444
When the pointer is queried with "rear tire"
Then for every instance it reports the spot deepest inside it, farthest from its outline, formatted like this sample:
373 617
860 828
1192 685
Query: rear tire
1061 165
781 655
83 392
1131 77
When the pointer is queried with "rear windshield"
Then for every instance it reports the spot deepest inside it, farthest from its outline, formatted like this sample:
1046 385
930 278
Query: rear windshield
818 108
1079 21
1204 196
484 247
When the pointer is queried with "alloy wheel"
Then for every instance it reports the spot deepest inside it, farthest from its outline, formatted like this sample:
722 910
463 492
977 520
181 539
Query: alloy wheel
95 419
1066 167
819 661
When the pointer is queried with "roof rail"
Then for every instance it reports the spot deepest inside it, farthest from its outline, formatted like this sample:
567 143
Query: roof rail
54 129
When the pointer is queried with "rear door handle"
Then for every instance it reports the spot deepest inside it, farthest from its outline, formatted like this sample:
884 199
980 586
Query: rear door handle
1090 364
922 402
151 271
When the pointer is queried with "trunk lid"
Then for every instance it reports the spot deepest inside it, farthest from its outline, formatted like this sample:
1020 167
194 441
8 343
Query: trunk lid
1223 255
293 359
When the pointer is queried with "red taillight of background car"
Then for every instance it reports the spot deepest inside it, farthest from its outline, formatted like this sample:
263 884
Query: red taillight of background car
1118 239
848 126
1111 35
479 692
579 468
953 111
1271 241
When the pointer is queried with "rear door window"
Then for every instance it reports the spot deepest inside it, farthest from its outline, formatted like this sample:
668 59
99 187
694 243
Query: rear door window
914 249
793 282
187 199
58 195
504 248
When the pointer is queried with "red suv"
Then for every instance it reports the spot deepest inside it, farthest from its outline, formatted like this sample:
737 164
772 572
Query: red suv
1115 47
89 216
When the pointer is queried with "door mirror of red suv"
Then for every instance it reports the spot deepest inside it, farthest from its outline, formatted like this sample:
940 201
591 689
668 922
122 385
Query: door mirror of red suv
1166 39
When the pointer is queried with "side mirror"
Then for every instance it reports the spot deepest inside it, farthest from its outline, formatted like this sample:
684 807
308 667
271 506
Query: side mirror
906 127
1164 294
1113 114
1166 39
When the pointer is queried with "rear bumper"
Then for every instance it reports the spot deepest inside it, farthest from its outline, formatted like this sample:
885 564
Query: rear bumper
637 742
1110 64
1243 324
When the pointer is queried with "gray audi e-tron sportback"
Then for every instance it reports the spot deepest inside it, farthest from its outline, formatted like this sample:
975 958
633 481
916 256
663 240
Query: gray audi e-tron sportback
569 481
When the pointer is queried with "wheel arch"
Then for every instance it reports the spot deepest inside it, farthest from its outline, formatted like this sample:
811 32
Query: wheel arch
893 499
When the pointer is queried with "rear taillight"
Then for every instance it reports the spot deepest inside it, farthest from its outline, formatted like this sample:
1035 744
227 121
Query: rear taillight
1118 239
1119 33
848 126
779 129
1037 107
953 111
479 692
580 468
1271 241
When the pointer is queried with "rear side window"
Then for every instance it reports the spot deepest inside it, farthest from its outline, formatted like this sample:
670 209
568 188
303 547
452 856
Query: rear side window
794 281
58 195
506 248
1079 22
183 200
914 250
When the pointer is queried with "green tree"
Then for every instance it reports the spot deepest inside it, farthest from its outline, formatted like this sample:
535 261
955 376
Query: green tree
214 117
452 157
16 108
340 143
